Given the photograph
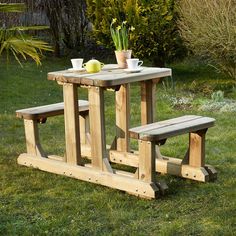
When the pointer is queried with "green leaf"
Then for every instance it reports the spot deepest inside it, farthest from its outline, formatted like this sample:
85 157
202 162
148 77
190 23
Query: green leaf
26 28
22 45
12 7
169 17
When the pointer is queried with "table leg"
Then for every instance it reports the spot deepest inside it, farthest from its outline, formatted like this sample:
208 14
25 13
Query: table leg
122 118
148 102
97 128
147 150
71 116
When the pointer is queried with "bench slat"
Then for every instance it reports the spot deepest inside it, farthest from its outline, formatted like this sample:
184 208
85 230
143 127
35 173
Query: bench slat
172 127
148 127
55 109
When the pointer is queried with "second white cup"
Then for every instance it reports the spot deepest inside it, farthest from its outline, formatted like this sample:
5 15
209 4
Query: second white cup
77 63
134 63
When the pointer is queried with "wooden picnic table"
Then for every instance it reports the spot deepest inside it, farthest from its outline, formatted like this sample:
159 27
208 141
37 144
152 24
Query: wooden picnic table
143 182
109 78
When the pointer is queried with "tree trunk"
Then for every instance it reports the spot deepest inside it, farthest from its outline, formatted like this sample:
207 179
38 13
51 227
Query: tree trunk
68 22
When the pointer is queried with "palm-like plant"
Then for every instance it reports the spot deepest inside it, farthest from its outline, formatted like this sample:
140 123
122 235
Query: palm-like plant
15 41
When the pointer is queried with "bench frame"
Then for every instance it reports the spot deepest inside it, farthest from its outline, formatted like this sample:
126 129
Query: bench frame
192 165
31 121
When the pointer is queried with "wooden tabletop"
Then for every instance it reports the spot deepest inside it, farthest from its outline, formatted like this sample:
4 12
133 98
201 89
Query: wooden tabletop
109 76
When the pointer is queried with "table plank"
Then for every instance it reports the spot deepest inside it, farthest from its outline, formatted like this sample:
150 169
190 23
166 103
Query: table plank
108 77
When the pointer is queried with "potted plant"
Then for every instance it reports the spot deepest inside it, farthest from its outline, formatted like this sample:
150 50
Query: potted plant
120 37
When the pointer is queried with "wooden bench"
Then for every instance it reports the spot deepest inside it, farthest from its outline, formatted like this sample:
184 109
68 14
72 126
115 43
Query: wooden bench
193 164
34 115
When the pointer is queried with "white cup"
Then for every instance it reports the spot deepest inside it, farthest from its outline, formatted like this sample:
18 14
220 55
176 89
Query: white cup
134 63
77 63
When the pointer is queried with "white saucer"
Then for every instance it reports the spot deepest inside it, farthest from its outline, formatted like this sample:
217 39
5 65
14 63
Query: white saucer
72 69
134 70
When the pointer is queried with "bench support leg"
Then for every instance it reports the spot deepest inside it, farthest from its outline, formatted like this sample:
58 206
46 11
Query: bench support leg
32 138
196 153
146 161
147 165
197 149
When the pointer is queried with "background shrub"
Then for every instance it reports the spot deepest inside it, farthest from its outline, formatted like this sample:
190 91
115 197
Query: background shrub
156 34
208 28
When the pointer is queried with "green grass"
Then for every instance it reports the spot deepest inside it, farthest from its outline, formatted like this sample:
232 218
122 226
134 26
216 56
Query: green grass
33 202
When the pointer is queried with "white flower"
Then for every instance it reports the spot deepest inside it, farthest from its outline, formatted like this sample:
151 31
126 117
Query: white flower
132 28
114 20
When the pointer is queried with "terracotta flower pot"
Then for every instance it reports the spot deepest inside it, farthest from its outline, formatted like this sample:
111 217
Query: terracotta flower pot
121 57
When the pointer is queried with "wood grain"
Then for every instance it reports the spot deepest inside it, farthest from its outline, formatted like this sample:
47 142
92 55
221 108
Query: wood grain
122 118
146 161
33 145
125 183
97 126
167 165
170 128
109 78
40 112
148 102
71 116
197 149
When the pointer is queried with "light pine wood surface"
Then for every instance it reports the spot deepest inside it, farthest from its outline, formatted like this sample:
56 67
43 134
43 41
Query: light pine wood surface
86 138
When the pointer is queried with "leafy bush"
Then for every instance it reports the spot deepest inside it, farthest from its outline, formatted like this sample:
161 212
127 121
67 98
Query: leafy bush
208 28
218 96
156 34
15 41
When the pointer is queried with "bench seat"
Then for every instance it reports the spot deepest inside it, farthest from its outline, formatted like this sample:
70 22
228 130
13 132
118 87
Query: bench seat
192 166
169 128
42 112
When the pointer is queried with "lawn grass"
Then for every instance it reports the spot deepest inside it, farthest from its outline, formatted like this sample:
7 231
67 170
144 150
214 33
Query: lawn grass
33 202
